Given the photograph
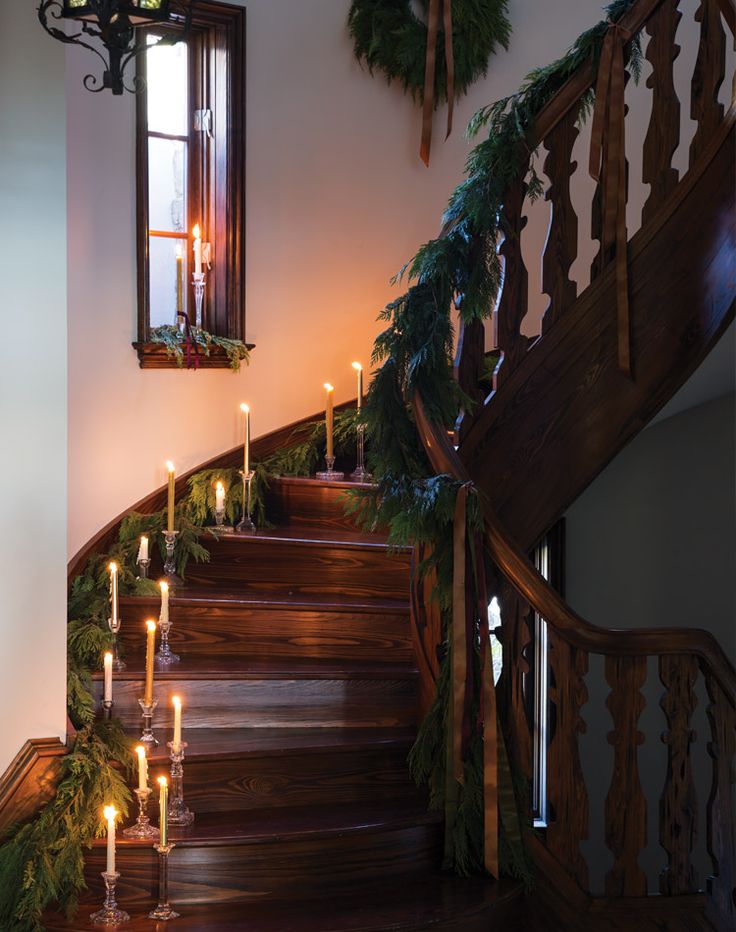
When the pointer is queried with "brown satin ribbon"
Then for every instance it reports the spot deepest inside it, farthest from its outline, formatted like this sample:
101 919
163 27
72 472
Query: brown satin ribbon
433 23
488 722
608 166
459 658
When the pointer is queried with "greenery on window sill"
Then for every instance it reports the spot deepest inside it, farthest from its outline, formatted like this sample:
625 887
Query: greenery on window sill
175 341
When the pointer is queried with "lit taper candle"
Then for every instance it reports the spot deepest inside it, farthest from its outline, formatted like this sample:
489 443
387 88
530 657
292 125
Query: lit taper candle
176 702
142 768
142 549
197 233
329 418
107 665
163 803
359 369
246 445
113 567
179 279
150 651
172 495
163 617
110 814
219 498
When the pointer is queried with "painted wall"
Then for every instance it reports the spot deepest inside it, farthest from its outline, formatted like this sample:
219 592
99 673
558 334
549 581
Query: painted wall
33 376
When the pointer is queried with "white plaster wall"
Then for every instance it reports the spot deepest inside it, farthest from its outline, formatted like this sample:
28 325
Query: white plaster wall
337 200
33 371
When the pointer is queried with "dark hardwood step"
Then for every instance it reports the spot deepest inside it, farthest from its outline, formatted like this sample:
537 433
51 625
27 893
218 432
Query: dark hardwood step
314 563
276 853
310 503
224 693
255 768
275 625
437 901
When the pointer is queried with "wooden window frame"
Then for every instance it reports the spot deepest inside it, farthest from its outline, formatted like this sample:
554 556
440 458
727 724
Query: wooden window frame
220 86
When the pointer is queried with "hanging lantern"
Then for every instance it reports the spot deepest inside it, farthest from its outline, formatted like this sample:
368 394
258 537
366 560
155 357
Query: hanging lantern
114 23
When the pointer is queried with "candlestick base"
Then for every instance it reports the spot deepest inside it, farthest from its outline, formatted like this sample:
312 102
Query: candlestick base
198 280
164 657
330 475
142 827
220 526
110 914
118 665
147 737
143 568
170 565
178 812
361 475
246 525
163 911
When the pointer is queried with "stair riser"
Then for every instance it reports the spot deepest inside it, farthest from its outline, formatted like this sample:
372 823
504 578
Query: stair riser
273 703
274 633
298 568
300 505
272 869
295 779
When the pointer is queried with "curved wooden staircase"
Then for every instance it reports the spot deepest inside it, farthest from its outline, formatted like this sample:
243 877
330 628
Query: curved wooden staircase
300 686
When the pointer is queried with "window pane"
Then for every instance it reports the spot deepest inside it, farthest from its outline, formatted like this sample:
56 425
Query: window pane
167 173
164 270
167 86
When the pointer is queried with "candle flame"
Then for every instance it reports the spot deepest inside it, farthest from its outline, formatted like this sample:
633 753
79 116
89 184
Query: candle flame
108 657
144 538
164 586
140 751
197 233
176 702
179 254
357 366
170 466
110 812
151 625
245 409
220 487
162 782
329 388
113 567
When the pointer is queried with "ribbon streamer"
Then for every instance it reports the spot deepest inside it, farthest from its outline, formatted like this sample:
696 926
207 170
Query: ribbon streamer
189 342
608 167
430 64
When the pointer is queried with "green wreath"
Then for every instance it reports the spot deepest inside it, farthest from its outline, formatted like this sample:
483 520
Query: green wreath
389 37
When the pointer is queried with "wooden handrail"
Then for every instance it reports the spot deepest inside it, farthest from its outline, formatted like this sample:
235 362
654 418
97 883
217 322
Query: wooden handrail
535 589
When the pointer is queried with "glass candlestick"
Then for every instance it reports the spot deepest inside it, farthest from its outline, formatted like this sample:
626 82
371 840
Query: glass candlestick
330 474
147 737
178 812
142 827
107 705
110 914
117 664
170 564
163 911
361 474
165 655
245 525
143 568
199 281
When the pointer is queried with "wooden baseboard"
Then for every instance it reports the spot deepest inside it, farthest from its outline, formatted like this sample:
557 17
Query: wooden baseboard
30 780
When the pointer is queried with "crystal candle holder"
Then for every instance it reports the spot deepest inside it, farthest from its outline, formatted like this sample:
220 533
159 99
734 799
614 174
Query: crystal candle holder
114 625
143 568
330 474
107 705
142 827
147 737
245 525
165 656
178 812
110 914
198 280
163 911
220 525
170 564
361 474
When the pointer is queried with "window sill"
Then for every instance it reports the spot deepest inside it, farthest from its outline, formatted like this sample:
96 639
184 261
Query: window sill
154 356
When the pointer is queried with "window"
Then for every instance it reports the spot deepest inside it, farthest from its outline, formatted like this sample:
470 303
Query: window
190 170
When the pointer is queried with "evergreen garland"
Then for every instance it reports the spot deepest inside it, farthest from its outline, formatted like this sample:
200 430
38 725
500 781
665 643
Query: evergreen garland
460 268
388 37
175 342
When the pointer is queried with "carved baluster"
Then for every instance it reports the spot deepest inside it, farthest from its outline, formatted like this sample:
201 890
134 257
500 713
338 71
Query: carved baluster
512 307
721 833
710 69
561 248
469 361
678 807
567 793
663 134
516 638
626 807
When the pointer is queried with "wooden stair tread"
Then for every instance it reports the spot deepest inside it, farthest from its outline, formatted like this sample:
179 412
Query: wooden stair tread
333 602
436 899
203 666
268 826
307 482
223 743
311 537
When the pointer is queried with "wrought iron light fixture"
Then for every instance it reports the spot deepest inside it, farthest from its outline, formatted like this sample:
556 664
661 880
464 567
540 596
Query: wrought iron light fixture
114 22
